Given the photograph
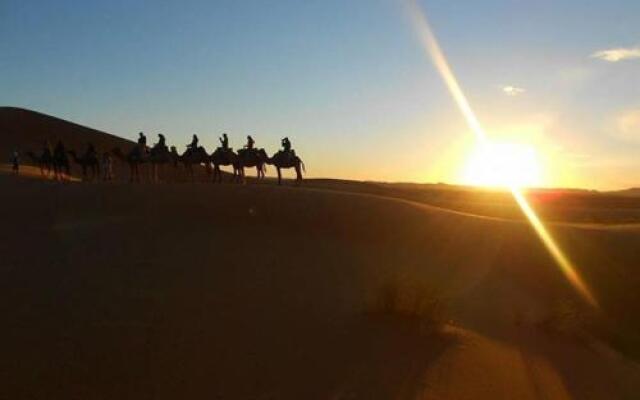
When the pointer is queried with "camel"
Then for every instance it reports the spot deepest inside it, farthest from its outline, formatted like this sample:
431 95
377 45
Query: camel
158 157
133 158
87 162
249 158
224 158
44 162
284 160
61 167
193 157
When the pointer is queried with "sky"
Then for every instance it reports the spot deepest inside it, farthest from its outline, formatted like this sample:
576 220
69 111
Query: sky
348 81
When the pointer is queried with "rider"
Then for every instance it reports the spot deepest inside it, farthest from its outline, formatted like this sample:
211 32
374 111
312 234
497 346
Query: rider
286 145
174 155
194 143
142 140
59 151
91 151
46 151
224 141
162 142
142 144
250 143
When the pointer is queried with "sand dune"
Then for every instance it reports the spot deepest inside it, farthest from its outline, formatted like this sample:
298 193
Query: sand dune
237 292
264 292
27 130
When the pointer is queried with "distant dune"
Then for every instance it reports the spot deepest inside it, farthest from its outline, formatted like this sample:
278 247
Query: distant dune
332 290
28 130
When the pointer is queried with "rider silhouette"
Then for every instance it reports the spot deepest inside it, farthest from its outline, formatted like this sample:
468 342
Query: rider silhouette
46 151
250 142
174 156
286 145
58 151
161 140
142 140
91 151
194 143
224 141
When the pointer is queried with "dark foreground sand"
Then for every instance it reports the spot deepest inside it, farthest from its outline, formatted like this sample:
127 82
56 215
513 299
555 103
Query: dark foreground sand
263 292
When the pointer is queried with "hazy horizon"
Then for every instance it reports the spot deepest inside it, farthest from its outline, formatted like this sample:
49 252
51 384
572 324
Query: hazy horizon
348 82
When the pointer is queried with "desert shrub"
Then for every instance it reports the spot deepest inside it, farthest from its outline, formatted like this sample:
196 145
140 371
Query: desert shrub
413 302
566 317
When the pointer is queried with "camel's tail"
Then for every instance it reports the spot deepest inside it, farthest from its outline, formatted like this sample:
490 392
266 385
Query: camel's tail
303 167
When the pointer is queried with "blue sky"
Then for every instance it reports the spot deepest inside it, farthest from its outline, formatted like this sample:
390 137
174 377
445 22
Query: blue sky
346 80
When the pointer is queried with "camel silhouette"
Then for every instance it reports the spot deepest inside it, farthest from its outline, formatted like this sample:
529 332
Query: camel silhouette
284 160
193 157
43 161
221 157
159 156
133 158
88 162
252 158
49 164
61 165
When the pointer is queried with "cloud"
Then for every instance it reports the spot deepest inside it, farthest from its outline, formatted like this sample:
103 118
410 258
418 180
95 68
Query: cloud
512 90
627 125
619 54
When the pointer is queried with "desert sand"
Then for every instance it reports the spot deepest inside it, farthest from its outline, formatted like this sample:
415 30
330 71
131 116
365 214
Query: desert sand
331 290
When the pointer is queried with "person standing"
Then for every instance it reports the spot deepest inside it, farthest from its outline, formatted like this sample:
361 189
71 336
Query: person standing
15 161
107 166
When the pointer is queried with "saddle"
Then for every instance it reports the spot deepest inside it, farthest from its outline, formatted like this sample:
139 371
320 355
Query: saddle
287 155
159 149
248 152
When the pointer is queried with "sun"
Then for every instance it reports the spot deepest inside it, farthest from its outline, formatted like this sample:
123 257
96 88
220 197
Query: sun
503 165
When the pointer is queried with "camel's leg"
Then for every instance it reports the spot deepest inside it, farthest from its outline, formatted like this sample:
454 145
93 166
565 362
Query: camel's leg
298 174
279 176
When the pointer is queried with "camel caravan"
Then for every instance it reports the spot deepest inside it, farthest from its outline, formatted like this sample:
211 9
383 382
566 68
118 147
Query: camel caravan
97 166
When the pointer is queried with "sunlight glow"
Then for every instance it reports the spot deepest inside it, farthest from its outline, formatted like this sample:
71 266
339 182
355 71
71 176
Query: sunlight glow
489 152
504 165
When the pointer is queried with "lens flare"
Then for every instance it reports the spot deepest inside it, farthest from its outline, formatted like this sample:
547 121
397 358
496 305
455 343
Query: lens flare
432 47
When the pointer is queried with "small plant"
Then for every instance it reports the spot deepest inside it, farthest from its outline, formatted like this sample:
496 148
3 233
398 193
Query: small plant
565 317
415 302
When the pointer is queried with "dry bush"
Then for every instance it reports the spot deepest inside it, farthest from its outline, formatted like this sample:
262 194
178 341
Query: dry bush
413 302
567 317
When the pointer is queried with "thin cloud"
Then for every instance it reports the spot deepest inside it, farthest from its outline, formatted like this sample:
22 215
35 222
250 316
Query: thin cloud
512 90
619 54
629 122
626 126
